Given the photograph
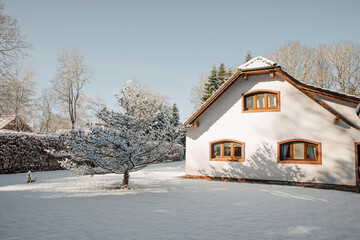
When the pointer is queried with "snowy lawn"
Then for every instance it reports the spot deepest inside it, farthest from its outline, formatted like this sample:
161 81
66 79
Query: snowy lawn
161 205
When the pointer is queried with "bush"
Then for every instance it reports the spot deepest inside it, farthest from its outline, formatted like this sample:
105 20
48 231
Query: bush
21 152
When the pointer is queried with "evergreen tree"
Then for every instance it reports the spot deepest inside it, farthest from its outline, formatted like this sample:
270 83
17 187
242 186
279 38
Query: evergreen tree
230 71
221 74
140 134
216 79
248 56
175 115
212 85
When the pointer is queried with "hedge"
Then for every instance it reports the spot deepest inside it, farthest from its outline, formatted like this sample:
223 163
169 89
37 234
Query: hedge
21 152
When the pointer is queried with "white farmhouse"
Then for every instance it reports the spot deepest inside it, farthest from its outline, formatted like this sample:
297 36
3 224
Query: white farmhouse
263 125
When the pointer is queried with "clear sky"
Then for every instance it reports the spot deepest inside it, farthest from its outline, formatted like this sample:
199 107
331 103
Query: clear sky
166 45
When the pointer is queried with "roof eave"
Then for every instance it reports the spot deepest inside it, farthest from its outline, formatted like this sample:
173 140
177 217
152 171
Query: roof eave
305 88
212 98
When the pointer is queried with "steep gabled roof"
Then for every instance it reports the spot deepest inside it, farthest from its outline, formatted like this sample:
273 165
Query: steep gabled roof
260 65
8 122
5 120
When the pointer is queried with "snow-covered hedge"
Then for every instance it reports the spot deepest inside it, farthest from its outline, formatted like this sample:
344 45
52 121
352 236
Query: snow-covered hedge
21 152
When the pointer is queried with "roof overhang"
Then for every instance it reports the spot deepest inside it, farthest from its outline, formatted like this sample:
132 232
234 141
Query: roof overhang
207 104
308 90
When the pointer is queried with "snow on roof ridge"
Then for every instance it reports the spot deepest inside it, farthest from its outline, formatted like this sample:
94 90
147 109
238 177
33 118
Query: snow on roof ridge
257 63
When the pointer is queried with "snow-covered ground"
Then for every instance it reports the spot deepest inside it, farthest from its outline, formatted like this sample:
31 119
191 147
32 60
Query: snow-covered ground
161 205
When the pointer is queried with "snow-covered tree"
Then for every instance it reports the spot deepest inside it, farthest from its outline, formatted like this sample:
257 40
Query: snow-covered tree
142 133
175 114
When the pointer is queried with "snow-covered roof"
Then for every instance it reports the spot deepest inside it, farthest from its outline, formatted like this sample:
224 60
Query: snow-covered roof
257 63
5 120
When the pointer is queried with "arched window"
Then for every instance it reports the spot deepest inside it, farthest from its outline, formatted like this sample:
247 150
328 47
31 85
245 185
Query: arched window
261 101
299 151
227 150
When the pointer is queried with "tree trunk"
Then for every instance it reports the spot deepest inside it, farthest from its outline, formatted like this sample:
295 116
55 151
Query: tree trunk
125 182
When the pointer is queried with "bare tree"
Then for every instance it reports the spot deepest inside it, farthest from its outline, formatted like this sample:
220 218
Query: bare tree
321 71
336 67
12 42
344 58
73 75
94 104
50 119
46 111
87 108
296 59
12 48
19 93
197 90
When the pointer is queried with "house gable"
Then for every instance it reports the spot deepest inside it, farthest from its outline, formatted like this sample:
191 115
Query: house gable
13 123
226 114
263 66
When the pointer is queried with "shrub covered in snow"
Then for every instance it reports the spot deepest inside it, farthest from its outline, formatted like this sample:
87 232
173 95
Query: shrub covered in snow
21 152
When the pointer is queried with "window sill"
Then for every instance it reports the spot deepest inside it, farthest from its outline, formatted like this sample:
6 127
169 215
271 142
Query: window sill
261 110
227 159
296 161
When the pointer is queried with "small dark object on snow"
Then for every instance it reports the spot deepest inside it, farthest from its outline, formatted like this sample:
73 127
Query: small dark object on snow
30 179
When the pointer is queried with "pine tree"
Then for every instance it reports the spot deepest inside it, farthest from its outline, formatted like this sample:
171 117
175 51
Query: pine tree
230 71
248 56
175 115
216 79
176 122
221 74
212 85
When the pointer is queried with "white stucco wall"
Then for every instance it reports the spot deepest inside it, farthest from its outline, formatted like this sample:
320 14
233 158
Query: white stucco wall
299 117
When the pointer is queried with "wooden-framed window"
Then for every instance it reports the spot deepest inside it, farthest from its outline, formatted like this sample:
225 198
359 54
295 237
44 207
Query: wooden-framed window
261 101
299 151
227 150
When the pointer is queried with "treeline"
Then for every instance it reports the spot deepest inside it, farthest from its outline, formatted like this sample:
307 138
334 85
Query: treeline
62 106
59 108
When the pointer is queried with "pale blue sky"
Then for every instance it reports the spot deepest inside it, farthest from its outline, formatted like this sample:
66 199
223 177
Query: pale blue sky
166 45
